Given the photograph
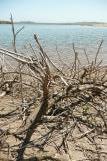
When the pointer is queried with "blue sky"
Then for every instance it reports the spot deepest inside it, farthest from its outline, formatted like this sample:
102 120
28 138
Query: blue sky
54 10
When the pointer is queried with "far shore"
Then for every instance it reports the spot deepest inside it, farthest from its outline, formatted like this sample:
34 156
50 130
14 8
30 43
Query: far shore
92 24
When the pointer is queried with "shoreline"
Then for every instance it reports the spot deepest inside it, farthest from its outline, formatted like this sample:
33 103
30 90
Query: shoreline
88 24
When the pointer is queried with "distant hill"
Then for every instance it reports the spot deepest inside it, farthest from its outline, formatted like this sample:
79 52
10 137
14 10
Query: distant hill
26 22
5 22
97 24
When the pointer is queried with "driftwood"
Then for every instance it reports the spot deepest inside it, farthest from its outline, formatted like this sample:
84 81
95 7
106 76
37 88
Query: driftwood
69 106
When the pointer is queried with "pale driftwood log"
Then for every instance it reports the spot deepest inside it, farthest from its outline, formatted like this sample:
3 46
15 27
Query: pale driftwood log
2 94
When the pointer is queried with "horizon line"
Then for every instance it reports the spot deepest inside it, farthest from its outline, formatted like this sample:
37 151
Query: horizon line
28 21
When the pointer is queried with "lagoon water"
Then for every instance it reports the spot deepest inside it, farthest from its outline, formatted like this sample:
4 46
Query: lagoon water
62 36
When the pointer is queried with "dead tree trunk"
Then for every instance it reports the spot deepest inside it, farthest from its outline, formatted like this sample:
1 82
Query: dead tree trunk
36 121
